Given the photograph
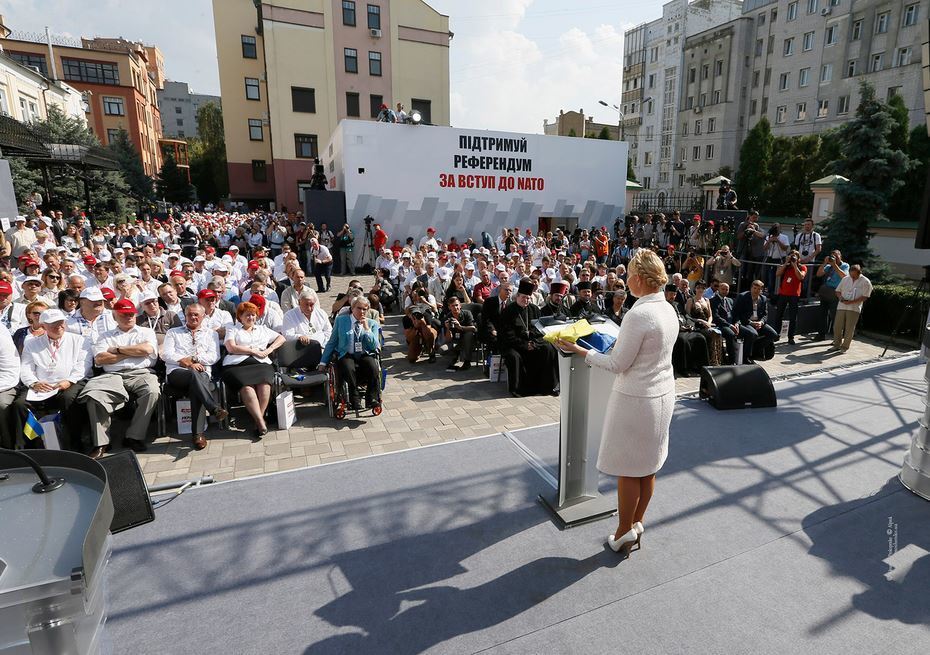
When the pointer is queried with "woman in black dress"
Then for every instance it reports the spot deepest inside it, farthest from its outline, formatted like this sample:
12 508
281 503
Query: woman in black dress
690 353
247 368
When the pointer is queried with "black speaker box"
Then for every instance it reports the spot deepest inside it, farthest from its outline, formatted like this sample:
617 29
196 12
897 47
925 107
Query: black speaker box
132 505
923 226
736 387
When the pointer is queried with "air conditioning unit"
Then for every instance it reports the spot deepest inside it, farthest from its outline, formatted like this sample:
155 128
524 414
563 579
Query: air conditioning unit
825 11
697 110
679 166
375 33
263 76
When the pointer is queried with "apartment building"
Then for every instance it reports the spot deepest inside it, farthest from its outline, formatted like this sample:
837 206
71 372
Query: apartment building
179 109
112 74
569 122
26 94
290 70
653 58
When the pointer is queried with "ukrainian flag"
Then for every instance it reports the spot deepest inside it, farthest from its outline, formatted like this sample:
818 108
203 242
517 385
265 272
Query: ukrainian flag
33 429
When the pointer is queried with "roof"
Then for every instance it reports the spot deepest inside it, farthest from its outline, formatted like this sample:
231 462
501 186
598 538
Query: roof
715 181
630 184
830 181
18 139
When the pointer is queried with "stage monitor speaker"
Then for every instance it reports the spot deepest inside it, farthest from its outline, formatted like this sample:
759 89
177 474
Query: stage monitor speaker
132 505
736 387
923 226
735 216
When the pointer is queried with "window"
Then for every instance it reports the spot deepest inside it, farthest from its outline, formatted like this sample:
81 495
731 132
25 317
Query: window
857 30
768 77
351 59
774 13
681 180
711 125
716 96
650 134
792 11
696 153
830 35
425 107
259 170
650 106
352 105
252 91
755 79
374 17
689 103
375 102
783 80
881 22
647 182
705 71
684 129
256 133
877 62
30 60
647 159
249 49
826 73
684 155
305 146
112 135
804 76
842 105
303 100
692 74
823 108
177 110
808 43
703 99
802 111
892 92
761 19
788 48
780 112
718 68
765 105
4 102
179 122
760 44
180 134
910 15
753 106
79 70
697 127
652 80
852 68
709 151
348 13
813 6
113 106
902 57
374 64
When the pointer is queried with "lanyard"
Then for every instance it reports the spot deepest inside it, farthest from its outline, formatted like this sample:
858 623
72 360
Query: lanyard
53 349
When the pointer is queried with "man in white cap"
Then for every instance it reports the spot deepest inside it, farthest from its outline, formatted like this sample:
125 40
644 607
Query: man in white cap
127 355
91 319
53 371
155 317
20 237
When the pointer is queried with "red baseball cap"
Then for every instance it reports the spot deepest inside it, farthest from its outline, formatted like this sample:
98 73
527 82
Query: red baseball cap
123 306
254 265
258 301
107 293
159 246
206 293
90 261
431 229
30 262
210 249
5 288
697 217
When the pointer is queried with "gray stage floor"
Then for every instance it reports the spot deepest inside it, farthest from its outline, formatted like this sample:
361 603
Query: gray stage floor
771 531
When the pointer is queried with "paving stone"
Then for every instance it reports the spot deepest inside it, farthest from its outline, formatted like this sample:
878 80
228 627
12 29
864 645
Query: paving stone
249 463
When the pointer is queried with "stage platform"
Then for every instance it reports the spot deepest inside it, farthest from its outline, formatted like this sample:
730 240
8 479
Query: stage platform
772 531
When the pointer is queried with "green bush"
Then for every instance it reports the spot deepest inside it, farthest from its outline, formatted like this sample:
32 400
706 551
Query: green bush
886 307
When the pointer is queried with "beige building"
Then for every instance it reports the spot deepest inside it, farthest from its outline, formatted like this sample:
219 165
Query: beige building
576 121
26 94
290 70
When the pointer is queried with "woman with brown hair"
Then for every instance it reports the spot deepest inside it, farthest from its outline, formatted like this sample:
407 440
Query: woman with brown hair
52 284
634 443
247 368
698 308
34 329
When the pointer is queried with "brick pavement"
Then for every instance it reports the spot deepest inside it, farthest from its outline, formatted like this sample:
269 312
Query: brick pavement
423 404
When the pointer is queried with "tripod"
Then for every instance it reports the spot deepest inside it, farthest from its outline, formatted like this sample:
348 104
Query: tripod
367 262
914 301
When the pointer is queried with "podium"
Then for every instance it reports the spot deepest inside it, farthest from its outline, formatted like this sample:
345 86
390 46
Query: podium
584 394
54 549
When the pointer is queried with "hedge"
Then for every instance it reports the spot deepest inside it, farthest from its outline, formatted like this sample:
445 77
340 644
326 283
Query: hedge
886 307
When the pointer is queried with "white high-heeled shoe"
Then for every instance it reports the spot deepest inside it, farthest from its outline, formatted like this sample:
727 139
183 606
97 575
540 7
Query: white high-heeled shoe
625 543
639 528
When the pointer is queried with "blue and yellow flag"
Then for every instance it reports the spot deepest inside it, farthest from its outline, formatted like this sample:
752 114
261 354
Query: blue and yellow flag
33 429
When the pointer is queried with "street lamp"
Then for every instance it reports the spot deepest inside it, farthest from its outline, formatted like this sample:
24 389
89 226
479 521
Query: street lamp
622 116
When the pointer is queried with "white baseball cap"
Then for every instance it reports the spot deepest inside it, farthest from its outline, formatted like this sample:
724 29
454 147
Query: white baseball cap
220 266
501 267
52 316
92 293
469 266
148 295
32 278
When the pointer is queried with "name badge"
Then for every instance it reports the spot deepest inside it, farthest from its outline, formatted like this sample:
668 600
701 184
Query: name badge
358 348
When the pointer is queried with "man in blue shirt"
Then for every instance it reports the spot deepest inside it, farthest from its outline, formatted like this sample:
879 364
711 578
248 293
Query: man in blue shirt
833 269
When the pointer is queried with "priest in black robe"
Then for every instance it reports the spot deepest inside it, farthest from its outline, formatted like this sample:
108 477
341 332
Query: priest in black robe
532 363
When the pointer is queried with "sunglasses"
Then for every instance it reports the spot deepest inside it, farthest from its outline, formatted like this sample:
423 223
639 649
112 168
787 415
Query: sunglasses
54 277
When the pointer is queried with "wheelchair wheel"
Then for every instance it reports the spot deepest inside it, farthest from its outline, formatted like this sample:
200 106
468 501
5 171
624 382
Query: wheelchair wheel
377 409
341 409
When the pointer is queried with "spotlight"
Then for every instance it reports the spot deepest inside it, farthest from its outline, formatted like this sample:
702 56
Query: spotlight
415 117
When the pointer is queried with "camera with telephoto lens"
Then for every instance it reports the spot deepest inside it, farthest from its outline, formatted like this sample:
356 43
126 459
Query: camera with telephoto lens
368 221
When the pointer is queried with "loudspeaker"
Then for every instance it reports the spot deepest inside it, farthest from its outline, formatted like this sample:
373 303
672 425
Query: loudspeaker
735 387
923 226
325 207
132 506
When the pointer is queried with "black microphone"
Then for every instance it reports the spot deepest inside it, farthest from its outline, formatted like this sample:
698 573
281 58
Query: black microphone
47 484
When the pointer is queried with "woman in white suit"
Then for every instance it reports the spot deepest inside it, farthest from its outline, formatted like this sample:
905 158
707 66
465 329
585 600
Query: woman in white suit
634 443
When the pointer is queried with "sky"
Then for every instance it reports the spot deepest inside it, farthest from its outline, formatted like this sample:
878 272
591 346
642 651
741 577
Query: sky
513 63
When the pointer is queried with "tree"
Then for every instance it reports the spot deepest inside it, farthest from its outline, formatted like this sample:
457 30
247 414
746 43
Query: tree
755 160
726 171
906 203
208 155
898 137
172 182
796 163
630 173
875 171
140 184
604 134
110 195
572 132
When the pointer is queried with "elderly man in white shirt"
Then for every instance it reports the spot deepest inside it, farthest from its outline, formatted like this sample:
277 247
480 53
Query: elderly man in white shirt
214 318
91 318
307 322
127 355
53 369
12 314
9 380
189 353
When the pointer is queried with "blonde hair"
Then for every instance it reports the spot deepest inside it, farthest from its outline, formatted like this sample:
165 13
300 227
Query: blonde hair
647 265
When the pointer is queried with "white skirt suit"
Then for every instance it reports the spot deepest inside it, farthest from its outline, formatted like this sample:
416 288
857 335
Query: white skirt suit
634 442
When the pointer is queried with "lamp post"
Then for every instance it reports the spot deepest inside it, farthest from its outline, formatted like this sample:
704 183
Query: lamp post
620 123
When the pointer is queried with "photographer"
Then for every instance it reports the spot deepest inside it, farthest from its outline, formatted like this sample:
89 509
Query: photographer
792 274
750 245
834 269
420 323
693 268
723 264
345 241
459 331
776 245
809 244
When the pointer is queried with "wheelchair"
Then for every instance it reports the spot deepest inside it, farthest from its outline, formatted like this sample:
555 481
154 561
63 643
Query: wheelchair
337 392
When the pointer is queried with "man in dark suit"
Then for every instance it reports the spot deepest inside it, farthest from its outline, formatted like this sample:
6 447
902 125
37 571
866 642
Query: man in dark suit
722 307
750 310
491 313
